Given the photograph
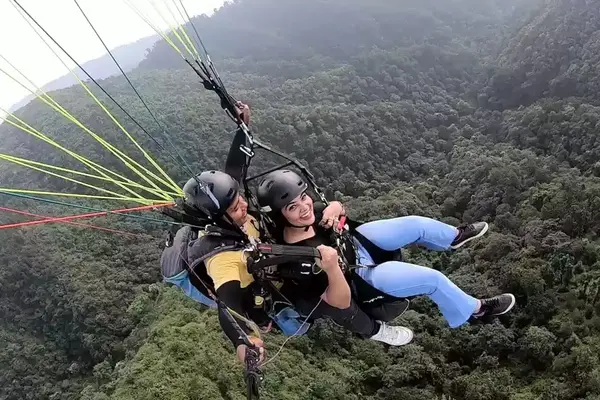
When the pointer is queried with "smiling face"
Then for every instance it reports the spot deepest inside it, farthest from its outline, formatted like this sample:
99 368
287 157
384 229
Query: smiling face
238 210
299 212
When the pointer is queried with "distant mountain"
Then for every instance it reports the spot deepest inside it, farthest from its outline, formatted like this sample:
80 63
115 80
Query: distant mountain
128 55
555 54
271 32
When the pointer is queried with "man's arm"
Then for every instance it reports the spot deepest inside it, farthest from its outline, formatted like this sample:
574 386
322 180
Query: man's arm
232 295
225 271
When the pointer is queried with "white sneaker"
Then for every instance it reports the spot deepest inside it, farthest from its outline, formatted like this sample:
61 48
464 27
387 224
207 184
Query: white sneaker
393 335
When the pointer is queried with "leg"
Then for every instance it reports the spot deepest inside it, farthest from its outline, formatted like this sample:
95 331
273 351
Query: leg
352 318
402 279
395 233
357 321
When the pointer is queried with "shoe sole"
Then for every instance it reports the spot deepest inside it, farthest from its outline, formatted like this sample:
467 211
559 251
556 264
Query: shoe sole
412 336
480 234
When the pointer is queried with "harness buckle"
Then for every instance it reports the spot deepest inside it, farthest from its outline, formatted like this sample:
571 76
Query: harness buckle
247 150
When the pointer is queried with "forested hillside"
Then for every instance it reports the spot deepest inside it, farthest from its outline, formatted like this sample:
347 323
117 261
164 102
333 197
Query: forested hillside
129 57
460 110
552 55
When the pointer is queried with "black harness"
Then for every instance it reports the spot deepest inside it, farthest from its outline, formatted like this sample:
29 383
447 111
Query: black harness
371 300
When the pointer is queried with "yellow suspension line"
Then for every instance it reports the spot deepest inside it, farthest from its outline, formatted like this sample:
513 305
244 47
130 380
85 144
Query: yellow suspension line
158 31
69 117
32 131
129 199
153 4
171 183
24 164
191 43
10 158
195 55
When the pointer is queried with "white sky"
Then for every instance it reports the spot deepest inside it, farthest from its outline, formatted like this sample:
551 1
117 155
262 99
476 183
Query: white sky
114 20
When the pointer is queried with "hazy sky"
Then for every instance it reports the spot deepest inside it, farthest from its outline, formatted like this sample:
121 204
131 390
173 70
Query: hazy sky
116 22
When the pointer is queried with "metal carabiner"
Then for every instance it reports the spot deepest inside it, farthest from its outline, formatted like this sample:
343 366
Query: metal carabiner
247 151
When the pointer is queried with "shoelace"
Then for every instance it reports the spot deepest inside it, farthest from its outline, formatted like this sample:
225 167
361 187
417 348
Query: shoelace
492 303
466 230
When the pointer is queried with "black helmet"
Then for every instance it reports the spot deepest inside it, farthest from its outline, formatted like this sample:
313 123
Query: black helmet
222 186
279 188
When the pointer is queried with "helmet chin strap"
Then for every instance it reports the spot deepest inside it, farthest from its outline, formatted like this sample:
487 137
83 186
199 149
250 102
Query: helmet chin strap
225 221
227 218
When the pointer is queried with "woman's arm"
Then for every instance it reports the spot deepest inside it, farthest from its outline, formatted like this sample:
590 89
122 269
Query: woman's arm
338 292
332 213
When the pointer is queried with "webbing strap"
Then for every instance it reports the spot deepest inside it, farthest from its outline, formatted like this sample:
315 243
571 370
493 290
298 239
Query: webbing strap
277 260
287 250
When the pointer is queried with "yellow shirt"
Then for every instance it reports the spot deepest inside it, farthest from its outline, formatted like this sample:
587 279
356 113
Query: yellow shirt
231 265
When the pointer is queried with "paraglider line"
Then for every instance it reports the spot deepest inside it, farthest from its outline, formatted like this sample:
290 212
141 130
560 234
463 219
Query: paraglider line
67 204
196 45
165 37
193 27
23 126
105 92
173 30
80 216
28 214
17 160
182 160
28 165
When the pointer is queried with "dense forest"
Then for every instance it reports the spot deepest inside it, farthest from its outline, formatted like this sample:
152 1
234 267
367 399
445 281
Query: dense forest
461 110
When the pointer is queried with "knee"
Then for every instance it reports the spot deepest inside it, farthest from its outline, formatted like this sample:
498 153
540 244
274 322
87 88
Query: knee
400 270
428 279
343 316
433 277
